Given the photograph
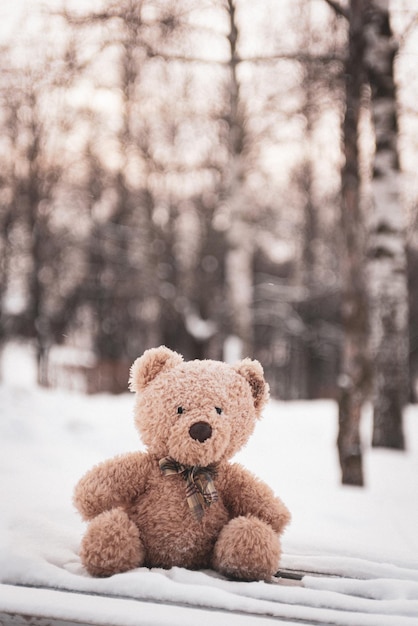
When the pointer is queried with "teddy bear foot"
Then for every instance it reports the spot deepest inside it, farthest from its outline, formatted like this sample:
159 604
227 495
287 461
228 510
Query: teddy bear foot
247 549
111 544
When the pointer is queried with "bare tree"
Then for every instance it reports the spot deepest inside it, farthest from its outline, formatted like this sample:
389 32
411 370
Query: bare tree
354 307
31 186
387 245
8 184
386 280
121 287
6 227
240 244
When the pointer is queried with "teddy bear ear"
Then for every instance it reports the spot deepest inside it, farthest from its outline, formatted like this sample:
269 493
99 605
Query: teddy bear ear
150 364
253 373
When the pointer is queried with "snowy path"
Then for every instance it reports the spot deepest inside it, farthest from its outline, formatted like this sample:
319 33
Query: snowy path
364 539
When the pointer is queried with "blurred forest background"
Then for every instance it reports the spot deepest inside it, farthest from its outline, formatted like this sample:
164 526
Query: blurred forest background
227 177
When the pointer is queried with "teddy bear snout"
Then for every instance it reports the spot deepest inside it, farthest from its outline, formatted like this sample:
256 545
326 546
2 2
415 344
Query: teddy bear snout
200 431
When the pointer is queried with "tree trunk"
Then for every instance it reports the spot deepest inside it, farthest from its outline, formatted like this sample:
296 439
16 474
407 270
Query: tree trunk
387 247
239 254
353 374
6 224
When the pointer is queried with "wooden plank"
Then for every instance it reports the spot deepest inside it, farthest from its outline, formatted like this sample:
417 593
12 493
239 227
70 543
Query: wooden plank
19 619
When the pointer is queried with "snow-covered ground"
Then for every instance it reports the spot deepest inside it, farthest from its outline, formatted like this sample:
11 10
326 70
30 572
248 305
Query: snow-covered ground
369 536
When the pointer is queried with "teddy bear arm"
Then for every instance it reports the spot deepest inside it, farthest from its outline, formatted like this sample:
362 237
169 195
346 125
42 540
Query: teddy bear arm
247 495
115 482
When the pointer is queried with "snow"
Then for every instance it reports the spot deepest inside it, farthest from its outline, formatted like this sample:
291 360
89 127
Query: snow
365 540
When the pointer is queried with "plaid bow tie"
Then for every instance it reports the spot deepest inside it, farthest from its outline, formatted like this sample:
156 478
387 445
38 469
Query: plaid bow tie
200 488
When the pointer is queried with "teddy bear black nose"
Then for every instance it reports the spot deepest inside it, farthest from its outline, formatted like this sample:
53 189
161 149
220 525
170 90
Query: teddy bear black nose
200 431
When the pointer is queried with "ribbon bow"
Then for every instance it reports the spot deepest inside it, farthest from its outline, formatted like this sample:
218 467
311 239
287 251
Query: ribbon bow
200 487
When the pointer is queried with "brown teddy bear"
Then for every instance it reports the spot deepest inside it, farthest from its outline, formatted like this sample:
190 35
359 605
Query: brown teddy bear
182 503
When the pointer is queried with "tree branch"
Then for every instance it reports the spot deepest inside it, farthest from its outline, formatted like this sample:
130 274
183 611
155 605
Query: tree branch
340 10
297 56
408 30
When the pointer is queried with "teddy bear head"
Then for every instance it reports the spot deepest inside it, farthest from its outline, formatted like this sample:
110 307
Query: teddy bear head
197 412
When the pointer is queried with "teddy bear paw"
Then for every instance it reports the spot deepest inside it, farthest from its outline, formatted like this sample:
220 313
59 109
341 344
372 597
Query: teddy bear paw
111 544
247 549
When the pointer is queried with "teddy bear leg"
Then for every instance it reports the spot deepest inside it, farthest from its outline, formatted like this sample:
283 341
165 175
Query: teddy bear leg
111 544
247 549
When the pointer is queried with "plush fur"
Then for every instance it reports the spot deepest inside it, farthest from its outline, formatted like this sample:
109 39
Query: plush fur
140 517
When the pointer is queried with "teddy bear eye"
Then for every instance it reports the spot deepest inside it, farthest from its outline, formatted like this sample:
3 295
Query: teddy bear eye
180 410
218 410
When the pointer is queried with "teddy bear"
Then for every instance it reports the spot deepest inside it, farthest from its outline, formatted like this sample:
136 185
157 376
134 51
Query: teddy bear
182 502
